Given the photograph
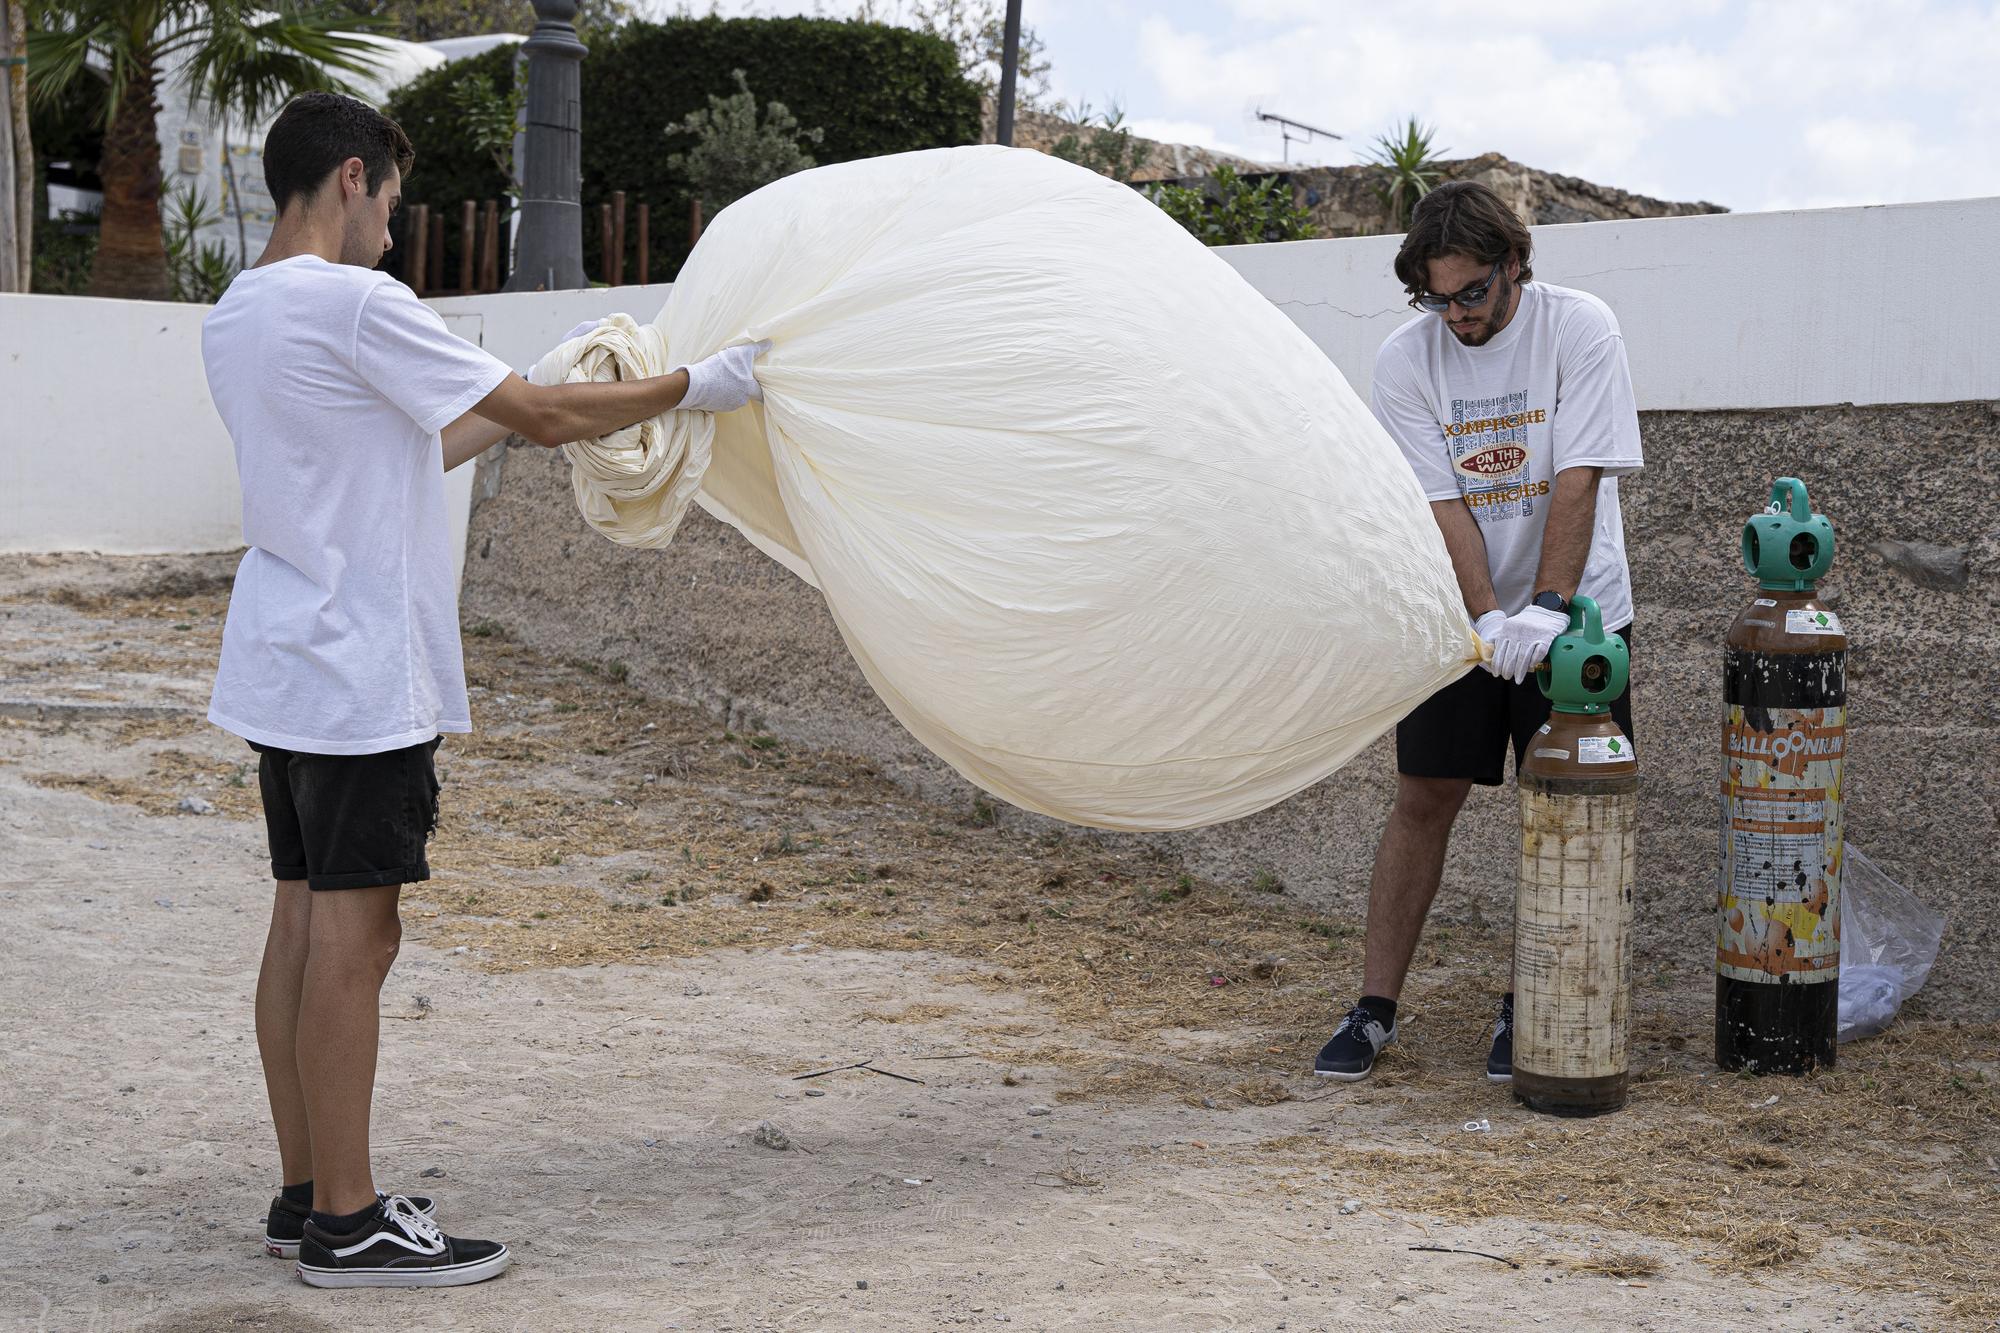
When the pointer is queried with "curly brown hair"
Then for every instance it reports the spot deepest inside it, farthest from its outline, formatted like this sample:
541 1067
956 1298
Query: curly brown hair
1461 218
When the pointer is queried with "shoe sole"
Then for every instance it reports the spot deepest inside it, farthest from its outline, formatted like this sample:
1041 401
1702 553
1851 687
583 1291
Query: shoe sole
1499 1078
1342 1077
458 1275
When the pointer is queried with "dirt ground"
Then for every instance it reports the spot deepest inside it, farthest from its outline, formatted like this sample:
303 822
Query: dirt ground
1085 1101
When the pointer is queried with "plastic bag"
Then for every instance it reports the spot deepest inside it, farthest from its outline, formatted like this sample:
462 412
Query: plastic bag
1101 526
1888 941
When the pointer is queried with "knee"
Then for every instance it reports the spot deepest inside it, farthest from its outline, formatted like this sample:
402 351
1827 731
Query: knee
1430 803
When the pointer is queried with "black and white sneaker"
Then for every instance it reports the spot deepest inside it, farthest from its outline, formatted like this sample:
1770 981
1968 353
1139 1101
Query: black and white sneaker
287 1222
1350 1052
1500 1060
397 1247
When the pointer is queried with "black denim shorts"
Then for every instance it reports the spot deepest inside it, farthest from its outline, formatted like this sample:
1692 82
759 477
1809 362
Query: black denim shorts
349 821
1463 731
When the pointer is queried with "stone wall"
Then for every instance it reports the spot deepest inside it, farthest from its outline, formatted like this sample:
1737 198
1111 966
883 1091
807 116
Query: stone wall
1343 202
711 621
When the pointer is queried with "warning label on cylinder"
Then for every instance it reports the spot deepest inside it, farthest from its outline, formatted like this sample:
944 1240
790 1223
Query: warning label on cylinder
1780 884
1603 750
1812 622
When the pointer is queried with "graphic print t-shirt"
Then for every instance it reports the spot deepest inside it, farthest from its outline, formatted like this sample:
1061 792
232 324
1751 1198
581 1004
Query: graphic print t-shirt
1495 424
334 382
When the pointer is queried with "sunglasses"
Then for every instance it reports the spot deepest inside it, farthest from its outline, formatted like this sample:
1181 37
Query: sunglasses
1471 298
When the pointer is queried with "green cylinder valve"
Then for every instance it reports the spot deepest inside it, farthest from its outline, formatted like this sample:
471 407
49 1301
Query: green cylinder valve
1586 668
1788 547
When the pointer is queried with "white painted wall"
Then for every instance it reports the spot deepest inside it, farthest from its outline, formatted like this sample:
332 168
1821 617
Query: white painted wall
1731 310
108 441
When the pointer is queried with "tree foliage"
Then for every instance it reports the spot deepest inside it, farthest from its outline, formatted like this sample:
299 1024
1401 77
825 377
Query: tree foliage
1232 211
977 30
433 20
734 152
870 89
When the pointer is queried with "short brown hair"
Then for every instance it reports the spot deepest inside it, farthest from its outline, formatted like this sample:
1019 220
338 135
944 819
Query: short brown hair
316 132
1461 218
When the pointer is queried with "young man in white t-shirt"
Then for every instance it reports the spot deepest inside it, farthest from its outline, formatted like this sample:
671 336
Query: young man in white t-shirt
347 400
1512 402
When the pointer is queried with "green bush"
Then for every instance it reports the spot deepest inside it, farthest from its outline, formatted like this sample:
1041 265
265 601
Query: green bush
1228 210
870 88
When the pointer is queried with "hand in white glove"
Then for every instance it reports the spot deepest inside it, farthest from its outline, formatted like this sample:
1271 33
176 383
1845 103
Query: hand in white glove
1524 641
725 381
1486 627
588 326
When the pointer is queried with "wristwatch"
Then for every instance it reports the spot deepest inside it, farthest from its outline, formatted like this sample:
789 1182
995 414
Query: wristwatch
1551 600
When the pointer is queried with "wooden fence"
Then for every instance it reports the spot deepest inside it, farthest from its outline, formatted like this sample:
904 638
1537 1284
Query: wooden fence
478 268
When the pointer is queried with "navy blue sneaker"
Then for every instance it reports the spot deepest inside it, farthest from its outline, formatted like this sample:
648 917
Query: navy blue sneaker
1349 1054
1500 1060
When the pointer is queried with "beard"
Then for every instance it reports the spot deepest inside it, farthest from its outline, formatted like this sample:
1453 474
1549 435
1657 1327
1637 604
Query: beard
1497 302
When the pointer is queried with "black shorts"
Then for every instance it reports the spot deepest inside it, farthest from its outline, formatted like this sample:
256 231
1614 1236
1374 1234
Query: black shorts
349 821
1462 731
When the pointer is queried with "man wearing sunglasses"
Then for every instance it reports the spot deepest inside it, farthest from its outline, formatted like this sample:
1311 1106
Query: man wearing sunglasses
1512 402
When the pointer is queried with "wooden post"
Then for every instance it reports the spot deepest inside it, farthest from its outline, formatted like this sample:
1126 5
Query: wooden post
645 241
417 234
618 238
467 219
604 241
436 278
694 222
489 239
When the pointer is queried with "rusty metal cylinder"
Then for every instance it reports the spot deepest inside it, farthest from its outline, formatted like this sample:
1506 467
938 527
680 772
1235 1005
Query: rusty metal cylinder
1579 788
1777 957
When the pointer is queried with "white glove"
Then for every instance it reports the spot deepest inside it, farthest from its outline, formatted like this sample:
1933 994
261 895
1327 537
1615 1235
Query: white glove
1524 641
725 381
1486 627
588 326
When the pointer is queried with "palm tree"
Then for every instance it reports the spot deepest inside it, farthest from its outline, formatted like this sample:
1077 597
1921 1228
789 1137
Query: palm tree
230 55
1412 168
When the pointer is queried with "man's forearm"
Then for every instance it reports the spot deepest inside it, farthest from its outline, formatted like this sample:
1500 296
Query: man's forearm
584 411
1566 536
1467 549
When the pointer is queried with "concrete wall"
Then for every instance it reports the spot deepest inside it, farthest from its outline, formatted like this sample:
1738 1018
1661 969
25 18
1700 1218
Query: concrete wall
108 439
1793 315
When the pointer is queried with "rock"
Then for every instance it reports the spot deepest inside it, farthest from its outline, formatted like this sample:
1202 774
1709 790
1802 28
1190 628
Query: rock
1039 1109
432 1173
861 1285
194 805
770 1136
815 1092
1208 1103
691 990
1350 1208
1928 566
906 1115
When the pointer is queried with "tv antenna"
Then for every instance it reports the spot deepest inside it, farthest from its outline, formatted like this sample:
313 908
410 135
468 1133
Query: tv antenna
1285 127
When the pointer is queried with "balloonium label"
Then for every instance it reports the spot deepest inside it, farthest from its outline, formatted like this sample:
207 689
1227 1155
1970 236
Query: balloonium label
1780 883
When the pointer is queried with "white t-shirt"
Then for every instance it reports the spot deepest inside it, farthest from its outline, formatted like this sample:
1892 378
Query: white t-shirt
1495 424
334 382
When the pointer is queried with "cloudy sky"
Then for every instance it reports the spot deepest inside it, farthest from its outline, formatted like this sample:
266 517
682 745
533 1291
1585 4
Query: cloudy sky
1762 105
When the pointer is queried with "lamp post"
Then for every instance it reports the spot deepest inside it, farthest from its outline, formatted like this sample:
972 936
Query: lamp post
548 247
1010 63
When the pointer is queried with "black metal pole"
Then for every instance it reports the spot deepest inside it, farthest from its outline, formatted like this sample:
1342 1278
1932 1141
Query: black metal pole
548 250
1010 60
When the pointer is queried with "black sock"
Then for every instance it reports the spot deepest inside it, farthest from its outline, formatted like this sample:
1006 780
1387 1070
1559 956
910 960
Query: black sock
1384 1010
301 1194
346 1225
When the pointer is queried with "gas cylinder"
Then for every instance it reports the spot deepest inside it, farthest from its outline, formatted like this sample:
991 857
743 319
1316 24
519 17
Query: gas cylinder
1573 912
1784 742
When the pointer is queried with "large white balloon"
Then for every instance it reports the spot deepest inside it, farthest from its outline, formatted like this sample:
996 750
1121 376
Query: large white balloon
1104 530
